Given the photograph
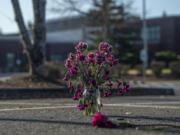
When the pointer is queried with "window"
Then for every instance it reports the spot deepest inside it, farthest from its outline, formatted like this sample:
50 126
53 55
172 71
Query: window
153 34
56 57
10 57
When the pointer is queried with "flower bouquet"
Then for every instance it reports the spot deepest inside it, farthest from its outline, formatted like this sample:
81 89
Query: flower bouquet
89 76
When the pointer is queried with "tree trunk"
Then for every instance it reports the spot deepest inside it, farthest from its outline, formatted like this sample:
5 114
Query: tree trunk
35 51
39 33
27 45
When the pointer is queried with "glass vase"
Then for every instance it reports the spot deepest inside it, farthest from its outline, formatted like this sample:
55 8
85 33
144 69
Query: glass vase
93 99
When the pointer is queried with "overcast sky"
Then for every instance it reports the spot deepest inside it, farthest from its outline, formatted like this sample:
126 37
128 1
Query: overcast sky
155 8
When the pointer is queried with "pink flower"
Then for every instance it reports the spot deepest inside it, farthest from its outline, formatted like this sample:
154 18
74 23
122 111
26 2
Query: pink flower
109 93
75 98
71 56
66 78
91 57
110 84
119 83
105 47
82 107
126 88
100 120
92 82
110 58
73 71
68 63
79 94
99 58
115 62
80 56
105 94
106 77
81 46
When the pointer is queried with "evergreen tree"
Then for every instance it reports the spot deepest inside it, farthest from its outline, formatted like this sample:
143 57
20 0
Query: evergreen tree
116 23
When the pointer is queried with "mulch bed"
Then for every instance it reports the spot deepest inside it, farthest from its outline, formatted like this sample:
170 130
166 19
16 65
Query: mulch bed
30 82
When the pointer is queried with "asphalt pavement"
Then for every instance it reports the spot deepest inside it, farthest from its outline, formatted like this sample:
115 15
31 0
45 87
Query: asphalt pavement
134 116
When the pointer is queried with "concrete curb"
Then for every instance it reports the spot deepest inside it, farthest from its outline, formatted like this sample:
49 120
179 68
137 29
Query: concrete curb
37 93
152 91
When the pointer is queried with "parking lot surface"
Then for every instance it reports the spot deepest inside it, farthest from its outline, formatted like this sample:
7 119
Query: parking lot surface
148 115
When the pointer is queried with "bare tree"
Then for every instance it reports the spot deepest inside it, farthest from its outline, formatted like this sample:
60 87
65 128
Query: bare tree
34 49
69 6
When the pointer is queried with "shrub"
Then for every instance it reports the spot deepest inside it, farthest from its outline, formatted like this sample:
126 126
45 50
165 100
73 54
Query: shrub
133 72
149 72
130 58
166 56
175 67
52 71
157 67
139 68
166 72
178 57
120 70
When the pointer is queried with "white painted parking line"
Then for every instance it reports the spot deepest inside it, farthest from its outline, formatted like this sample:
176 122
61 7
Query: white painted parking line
161 103
66 106
142 106
136 103
24 103
36 108
36 104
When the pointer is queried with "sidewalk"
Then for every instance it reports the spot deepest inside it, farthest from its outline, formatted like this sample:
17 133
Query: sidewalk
6 76
175 85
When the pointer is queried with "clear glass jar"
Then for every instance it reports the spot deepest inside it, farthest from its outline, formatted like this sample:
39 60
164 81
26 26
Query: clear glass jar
93 99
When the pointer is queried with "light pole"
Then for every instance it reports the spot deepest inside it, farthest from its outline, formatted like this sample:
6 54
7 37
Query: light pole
145 41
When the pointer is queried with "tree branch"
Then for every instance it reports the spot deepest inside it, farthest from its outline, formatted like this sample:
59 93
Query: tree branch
20 22
67 5
27 45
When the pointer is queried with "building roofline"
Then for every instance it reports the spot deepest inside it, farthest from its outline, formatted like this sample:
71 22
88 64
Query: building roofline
10 37
164 17
63 18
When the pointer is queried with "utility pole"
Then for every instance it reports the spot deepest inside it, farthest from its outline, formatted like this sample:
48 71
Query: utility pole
144 52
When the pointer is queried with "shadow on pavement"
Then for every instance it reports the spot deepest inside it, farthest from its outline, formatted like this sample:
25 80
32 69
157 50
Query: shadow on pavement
45 121
121 124
169 119
124 122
